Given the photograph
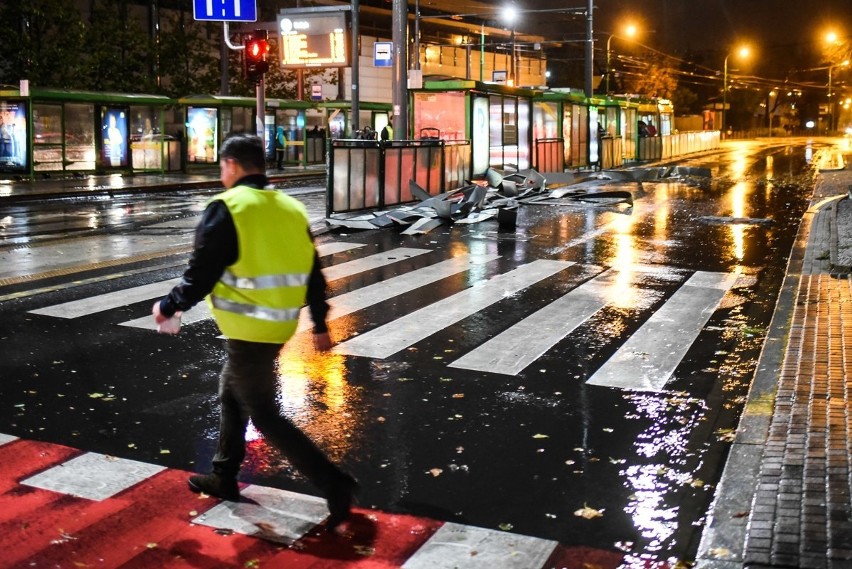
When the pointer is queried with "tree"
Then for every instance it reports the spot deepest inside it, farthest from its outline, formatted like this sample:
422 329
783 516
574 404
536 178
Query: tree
189 62
42 41
656 80
117 49
686 101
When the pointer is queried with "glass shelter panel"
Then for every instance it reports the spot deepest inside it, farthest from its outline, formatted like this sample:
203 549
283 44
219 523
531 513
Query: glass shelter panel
47 137
146 141
442 111
80 153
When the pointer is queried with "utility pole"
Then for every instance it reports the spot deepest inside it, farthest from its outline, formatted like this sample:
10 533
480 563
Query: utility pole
400 65
587 83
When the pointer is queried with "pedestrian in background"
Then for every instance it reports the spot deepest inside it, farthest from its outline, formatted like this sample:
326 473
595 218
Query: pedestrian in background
255 261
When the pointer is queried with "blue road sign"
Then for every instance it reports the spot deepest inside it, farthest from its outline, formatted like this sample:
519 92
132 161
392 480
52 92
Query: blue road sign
225 10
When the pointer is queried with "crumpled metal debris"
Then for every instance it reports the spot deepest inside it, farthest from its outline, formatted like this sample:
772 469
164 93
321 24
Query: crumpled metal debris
502 194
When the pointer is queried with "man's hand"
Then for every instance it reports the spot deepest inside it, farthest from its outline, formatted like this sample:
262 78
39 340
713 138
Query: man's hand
322 342
158 316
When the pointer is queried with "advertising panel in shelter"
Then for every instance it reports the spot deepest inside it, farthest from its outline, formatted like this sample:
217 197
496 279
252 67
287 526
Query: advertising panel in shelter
114 137
14 156
202 135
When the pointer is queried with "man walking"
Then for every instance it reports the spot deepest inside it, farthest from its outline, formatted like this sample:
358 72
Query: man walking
255 261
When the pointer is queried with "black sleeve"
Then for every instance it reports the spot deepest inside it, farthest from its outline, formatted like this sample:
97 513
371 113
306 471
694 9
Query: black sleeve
316 296
215 249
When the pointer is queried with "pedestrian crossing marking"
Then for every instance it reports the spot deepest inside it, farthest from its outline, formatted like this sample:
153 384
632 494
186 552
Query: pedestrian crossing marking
5 439
270 514
455 545
124 297
108 301
202 312
279 516
645 361
371 262
649 357
93 476
515 348
347 303
389 339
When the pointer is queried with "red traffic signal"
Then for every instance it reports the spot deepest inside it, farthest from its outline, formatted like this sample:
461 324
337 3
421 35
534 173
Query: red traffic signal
256 57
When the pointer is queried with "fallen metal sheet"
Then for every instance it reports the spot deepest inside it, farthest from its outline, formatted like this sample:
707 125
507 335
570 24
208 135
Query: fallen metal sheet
423 226
350 224
505 192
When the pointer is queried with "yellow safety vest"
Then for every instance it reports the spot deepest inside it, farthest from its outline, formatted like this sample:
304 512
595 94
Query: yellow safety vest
259 297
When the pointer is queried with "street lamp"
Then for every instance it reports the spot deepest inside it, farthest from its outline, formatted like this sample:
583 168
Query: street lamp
743 52
629 32
510 14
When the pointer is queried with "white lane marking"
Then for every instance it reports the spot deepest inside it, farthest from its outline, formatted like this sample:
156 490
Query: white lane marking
270 514
371 262
367 296
108 301
647 360
93 476
4 439
455 545
518 346
116 299
386 340
202 312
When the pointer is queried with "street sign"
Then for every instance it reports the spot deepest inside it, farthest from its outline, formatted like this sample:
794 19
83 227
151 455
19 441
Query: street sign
383 54
225 10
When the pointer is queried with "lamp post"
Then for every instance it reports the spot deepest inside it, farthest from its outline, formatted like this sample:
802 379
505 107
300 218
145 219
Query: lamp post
742 52
830 95
629 31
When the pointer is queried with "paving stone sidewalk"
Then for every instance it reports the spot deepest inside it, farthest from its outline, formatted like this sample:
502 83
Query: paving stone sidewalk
784 499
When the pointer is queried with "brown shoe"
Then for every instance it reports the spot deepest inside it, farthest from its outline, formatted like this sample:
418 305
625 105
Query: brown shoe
215 485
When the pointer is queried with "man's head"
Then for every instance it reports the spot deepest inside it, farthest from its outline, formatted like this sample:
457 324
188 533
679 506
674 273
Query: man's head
241 155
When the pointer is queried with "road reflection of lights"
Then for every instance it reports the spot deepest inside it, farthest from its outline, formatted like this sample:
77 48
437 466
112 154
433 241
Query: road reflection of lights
316 396
93 221
656 486
738 207
622 293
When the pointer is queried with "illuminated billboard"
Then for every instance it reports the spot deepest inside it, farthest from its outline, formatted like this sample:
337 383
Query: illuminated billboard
314 38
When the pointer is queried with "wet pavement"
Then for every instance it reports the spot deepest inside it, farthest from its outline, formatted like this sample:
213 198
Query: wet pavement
521 452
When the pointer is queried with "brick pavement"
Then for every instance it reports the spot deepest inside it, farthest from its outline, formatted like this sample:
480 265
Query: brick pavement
801 514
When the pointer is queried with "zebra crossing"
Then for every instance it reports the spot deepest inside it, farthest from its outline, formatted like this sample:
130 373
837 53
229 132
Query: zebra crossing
107 511
645 360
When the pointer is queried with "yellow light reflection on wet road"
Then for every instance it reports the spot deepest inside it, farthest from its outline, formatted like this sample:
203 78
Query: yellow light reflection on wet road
622 293
316 396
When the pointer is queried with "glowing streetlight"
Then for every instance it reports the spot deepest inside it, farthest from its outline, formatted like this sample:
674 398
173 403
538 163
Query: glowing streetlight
629 32
510 15
743 52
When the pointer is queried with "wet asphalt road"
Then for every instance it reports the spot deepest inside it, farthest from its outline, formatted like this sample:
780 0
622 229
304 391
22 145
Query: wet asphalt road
524 453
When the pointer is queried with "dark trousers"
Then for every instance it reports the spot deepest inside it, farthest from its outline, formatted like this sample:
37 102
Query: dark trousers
248 390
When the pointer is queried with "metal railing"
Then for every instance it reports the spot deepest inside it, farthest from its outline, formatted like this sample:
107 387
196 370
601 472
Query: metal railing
549 155
369 174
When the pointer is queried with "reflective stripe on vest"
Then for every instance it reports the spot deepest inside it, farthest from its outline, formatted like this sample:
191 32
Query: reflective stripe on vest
265 281
259 312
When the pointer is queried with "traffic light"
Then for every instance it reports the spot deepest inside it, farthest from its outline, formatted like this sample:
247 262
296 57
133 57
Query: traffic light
256 56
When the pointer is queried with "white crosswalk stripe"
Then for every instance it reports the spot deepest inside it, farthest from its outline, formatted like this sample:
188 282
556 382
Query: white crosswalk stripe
647 360
202 311
520 345
413 327
116 299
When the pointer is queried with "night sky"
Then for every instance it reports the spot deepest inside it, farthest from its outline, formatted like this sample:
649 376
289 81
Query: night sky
784 34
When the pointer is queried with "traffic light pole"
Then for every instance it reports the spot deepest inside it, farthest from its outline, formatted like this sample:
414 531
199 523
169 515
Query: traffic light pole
261 109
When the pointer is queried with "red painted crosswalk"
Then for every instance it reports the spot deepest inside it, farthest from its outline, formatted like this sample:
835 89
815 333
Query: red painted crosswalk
147 518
